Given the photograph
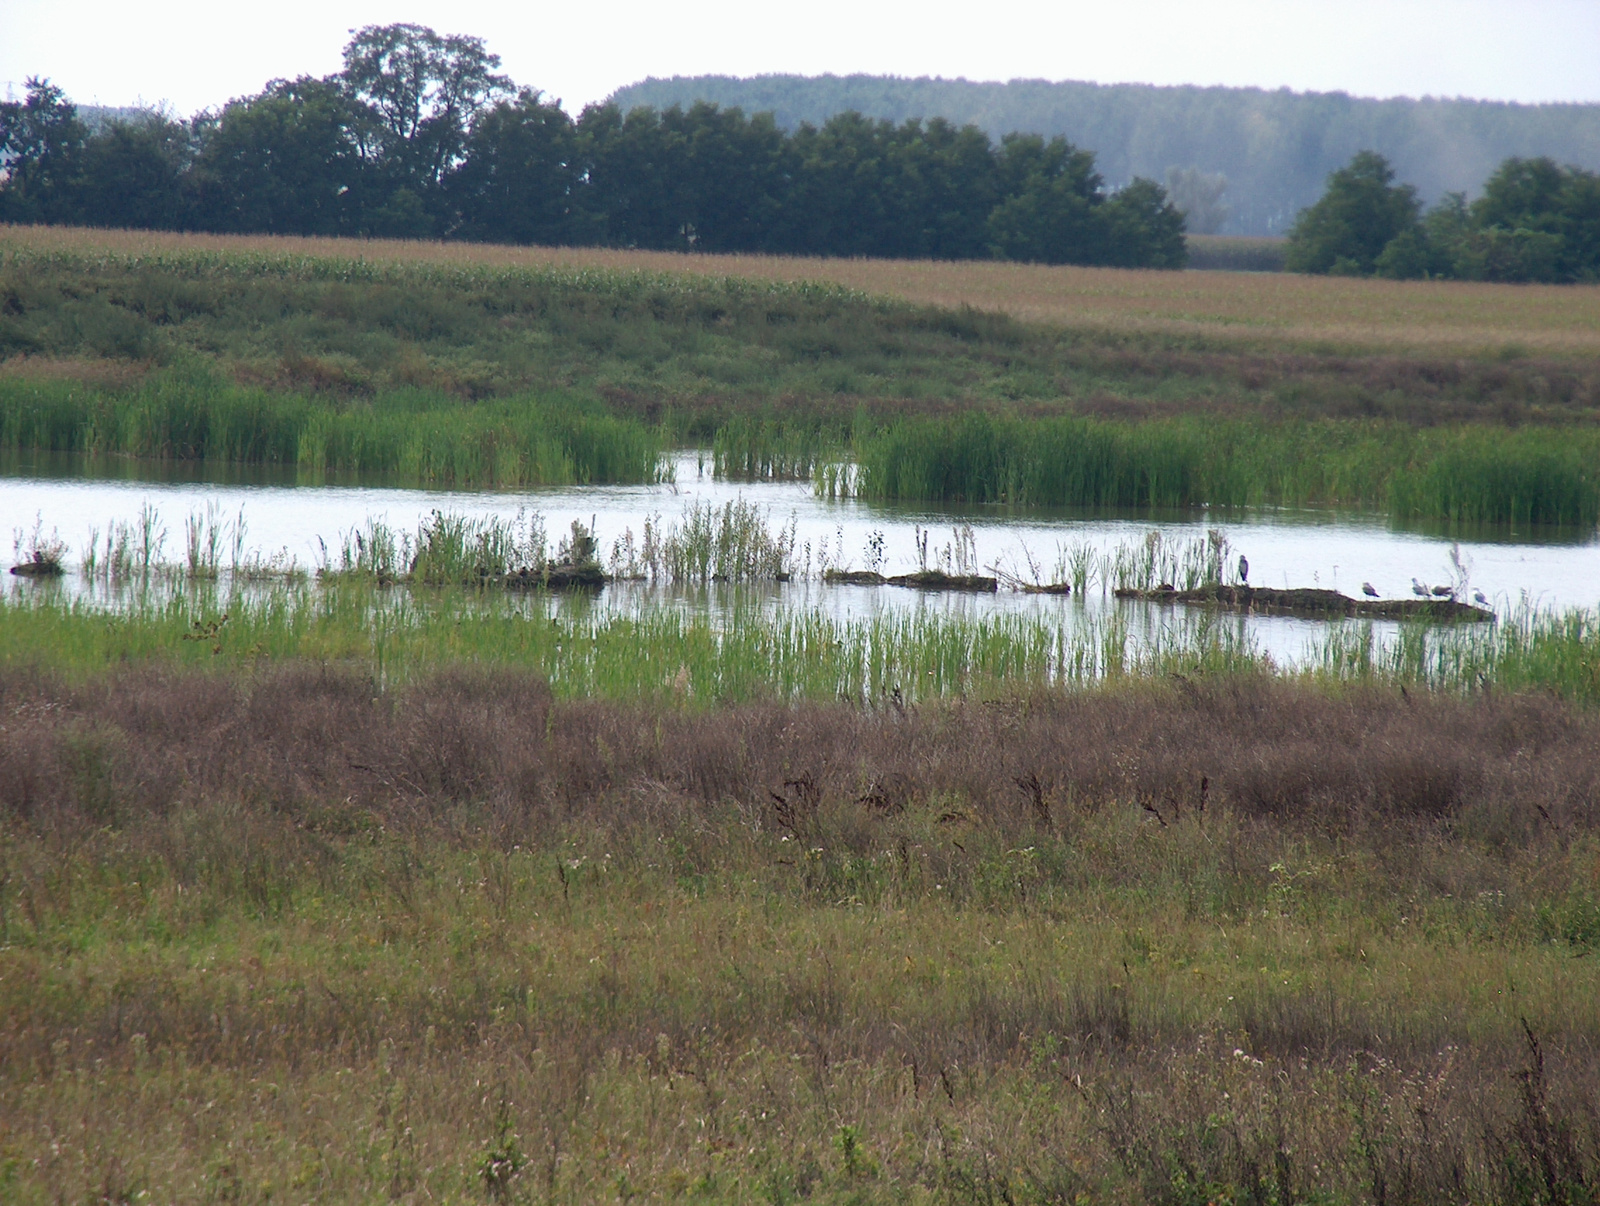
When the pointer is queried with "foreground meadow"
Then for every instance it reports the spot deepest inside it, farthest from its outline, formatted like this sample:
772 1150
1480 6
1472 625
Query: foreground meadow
283 936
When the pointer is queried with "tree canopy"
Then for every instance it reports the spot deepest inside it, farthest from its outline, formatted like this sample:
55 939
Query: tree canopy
1535 221
1272 149
420 136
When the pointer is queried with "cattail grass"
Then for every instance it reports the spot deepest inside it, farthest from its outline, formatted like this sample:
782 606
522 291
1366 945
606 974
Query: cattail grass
407 435
1462 473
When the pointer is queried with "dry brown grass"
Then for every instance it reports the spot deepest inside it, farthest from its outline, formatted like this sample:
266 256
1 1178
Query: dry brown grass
1434 316
278 938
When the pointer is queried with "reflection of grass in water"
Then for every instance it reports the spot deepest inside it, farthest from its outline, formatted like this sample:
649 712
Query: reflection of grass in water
747 653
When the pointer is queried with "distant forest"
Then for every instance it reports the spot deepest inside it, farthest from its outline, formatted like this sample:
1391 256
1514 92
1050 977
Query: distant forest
1274 149
419 136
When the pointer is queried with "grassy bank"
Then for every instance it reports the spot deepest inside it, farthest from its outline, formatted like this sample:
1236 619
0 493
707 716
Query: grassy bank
1287 310
280 936
758 648
709 339
465 371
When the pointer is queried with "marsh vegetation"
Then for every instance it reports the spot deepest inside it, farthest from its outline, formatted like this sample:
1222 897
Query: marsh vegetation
1201 939
362 877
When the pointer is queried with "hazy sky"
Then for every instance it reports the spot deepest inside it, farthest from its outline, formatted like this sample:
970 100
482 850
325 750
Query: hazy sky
195 54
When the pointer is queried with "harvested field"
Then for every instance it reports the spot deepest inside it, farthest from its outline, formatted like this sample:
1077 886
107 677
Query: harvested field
1431 316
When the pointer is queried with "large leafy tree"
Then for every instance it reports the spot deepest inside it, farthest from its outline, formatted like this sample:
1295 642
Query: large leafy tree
873 188
135 174
423 91
1143 228
1358 215
520 177
289 161
41 149
1536 221
1053 196
732 175
841 202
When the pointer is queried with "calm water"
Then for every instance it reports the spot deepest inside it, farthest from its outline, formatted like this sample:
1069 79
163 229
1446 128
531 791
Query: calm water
1285 548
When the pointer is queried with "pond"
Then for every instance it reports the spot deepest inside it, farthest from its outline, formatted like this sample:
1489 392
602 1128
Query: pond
301 523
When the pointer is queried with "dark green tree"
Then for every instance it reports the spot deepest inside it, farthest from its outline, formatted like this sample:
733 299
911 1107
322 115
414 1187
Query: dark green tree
703 178
876 189
289 161
1051 211
136 174
520 179
423 91
1361 211
1143 228
840 202
1536 221
41 148
635 192
1580 225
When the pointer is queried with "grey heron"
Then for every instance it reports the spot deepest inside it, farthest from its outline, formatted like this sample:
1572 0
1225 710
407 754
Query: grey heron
1244 568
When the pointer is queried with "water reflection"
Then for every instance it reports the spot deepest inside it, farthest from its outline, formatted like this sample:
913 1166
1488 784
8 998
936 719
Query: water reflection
296 524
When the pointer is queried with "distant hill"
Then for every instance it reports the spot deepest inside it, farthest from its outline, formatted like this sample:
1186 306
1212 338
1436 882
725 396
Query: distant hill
1275 148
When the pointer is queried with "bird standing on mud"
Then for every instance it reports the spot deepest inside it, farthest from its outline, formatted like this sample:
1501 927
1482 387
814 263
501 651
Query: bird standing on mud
1244 568
1418 589
1369 590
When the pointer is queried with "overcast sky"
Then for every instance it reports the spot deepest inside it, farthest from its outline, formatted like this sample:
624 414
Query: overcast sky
198 53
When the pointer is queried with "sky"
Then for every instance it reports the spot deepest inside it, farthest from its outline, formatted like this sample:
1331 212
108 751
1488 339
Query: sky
194 54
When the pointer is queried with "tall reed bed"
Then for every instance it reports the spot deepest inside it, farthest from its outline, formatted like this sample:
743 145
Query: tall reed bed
409 435
767 450
1465 474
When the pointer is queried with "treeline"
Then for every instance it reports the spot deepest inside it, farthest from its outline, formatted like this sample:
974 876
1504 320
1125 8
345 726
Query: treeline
419 136
1536 221
1271 149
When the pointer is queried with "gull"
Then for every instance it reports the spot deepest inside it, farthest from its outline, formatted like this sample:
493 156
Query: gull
1441 591
1480 598
1418 589
1369 590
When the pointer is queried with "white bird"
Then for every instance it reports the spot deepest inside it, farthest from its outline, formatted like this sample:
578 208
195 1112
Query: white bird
1480 598
1418 589
1369 590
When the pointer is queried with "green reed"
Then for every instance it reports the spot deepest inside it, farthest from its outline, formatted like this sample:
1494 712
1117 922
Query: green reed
749 650
1461 473
407 435
769 450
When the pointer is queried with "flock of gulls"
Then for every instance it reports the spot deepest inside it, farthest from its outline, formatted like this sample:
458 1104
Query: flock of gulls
1419 588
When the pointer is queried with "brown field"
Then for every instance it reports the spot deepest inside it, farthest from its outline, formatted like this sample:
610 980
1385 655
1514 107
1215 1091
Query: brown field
1435 316
274 938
